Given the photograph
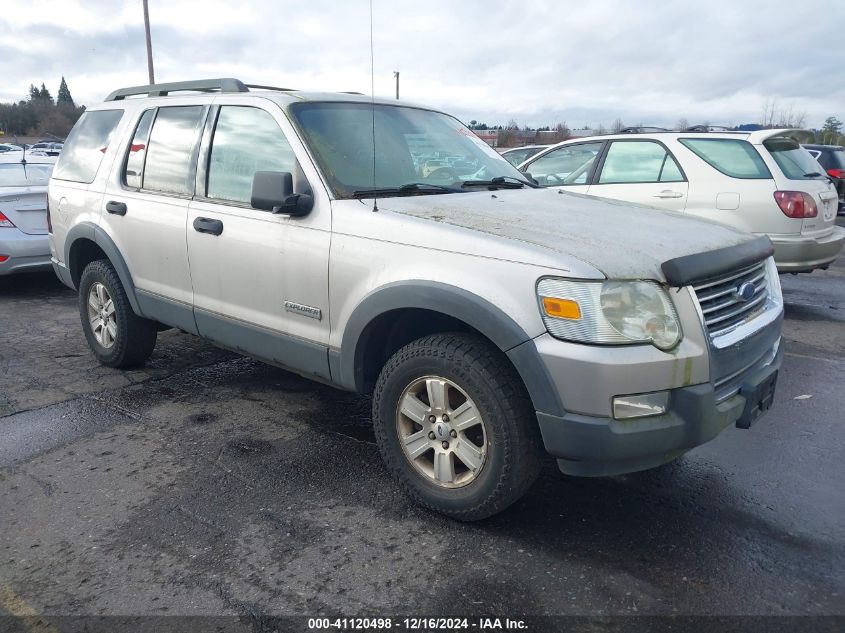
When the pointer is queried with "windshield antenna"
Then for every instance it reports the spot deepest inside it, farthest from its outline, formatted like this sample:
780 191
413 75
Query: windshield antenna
373 105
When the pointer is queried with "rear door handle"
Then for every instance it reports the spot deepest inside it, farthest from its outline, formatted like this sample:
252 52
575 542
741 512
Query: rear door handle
666 193
207 225
116 208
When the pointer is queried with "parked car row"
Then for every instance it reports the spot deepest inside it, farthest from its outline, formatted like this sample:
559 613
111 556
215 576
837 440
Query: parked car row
489 318
761 182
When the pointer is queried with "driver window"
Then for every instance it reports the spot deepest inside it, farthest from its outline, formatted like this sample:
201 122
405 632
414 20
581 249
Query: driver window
245 140
567 165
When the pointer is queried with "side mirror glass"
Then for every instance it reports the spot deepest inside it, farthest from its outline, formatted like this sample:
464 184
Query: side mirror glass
273 191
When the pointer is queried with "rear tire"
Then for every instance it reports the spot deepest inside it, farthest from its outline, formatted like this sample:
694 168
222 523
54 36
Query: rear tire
455 426
116 335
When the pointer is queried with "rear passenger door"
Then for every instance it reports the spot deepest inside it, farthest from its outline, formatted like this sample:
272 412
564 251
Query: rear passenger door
641 171
260 279
146 209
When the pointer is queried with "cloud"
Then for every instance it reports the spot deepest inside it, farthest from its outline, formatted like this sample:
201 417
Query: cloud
537 62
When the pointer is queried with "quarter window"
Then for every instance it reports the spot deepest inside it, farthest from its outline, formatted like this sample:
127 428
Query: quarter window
85 146
171 149
733 157
133 172
246 140
637 162
567 165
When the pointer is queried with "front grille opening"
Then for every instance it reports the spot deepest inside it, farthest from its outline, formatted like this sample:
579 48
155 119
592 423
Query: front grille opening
723 307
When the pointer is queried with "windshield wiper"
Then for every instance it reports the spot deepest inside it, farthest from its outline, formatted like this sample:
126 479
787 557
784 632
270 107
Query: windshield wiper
406 189
503 182
812 174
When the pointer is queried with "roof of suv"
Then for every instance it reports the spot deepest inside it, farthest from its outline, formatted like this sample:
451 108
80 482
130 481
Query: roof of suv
202 89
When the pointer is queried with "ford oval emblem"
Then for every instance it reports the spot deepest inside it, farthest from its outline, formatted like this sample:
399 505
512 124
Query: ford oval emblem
745 291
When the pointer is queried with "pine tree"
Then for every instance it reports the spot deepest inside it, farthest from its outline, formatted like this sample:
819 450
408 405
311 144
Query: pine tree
33 92
63 98
45 94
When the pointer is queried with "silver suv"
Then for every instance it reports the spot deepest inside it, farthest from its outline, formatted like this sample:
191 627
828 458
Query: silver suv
488 318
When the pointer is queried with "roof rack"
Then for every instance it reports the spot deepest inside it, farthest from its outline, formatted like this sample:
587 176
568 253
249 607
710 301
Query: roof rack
162 90
642 129
259 87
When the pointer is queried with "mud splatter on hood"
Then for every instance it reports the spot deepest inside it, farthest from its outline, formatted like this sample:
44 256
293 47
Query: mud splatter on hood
621 239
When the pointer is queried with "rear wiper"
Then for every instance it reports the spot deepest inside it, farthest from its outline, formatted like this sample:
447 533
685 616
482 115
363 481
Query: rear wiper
406 189
504 182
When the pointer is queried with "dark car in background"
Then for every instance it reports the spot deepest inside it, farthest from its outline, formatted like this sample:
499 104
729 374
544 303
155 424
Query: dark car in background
832 159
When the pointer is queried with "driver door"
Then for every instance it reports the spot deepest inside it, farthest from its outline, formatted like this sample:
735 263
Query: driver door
569 166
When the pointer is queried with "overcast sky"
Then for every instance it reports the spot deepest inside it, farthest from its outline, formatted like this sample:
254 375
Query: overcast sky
584 62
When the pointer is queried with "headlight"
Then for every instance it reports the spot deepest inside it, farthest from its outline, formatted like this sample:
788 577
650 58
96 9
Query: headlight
609 312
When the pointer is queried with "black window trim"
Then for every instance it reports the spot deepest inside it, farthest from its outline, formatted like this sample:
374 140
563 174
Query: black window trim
590 175
709 164
192 168
600 166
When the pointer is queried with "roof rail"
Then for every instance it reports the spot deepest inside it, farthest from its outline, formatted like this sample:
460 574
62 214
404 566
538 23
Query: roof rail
259 87
225 84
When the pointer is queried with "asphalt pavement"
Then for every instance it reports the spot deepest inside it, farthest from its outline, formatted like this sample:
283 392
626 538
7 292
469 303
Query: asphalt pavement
208 483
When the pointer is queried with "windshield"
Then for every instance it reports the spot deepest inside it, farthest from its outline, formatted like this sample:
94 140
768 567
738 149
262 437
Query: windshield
413 146
795 162
20 175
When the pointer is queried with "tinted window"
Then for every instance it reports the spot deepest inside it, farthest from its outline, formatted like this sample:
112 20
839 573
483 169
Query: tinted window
246 140
171 149
638 161
794 161
732 157
567 165
20 175
132 172
86 144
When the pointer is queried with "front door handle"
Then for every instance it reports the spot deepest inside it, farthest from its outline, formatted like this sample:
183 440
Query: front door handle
116 208
207 225
667 193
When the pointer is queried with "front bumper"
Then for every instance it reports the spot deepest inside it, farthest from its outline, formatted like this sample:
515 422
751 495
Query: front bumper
805 254
592 446
25 252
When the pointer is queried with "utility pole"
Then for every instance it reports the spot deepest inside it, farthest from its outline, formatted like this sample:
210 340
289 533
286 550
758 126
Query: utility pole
149 42
395 74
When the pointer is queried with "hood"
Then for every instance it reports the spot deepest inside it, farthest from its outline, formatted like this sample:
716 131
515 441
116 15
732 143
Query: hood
621 239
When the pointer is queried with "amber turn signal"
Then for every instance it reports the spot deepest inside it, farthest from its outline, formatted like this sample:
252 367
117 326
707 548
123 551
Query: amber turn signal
561 308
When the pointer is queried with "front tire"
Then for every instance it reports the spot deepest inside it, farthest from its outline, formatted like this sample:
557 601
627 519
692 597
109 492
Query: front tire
116 335
455 426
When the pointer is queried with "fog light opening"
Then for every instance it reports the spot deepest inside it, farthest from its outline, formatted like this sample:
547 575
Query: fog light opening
642 405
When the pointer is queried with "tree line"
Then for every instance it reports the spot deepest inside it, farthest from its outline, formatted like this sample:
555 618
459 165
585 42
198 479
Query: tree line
39 114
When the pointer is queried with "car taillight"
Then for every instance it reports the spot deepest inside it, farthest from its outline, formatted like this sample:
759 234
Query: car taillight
5 223
837 173
796 204
49 222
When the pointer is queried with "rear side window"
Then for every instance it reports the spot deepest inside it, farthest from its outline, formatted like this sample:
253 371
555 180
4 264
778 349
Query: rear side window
134 169
567 165
172 148
794 161
733 157
638 161
85 146
246 140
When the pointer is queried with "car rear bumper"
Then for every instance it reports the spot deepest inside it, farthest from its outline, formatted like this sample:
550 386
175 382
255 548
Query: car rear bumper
590 446
806 254
25 252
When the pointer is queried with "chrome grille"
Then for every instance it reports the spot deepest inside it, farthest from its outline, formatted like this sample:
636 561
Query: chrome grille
722 308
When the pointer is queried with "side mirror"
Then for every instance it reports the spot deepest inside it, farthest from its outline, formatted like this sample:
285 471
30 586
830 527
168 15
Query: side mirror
273 191
530 177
